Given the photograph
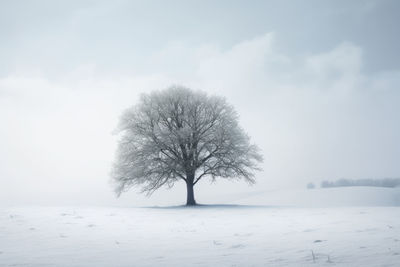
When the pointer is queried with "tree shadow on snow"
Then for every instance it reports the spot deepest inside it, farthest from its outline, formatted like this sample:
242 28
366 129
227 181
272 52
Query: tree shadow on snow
213 206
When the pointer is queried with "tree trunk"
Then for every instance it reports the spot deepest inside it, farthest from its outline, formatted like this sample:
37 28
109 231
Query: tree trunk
190 194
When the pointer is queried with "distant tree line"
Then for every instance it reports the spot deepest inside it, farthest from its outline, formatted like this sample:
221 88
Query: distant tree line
386 182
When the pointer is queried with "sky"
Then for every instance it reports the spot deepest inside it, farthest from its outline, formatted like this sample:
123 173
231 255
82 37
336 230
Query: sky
316 84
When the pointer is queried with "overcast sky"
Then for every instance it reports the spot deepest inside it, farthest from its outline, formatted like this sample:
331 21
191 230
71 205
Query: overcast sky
316 84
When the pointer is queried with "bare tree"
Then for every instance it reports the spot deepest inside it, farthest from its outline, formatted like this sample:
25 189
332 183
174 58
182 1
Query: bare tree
180 134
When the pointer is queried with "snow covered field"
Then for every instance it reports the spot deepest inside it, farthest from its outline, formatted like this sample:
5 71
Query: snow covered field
219 235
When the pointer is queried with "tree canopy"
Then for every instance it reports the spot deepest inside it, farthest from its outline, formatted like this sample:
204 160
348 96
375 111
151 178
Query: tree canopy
181 134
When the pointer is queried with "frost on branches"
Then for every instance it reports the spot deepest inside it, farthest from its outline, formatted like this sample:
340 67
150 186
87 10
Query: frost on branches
180 134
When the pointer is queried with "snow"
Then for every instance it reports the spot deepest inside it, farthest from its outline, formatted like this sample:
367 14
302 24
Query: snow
326 197
209 235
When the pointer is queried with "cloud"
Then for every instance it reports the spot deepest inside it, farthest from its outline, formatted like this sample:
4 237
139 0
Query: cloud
315 116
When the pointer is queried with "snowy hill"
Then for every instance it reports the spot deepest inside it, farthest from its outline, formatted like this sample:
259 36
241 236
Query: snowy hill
318 230
200 236
325 197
